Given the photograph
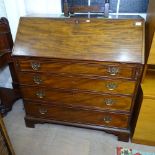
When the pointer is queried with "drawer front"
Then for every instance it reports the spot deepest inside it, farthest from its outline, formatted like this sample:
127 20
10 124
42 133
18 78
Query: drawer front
89 69
78 99
78 83
75 115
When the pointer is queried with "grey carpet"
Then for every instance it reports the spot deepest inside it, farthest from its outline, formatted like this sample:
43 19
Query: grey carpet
50 139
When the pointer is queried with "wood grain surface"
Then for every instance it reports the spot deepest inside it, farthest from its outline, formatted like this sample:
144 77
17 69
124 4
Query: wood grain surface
78 99
99 39
148 84
106 85
145 127
86 68
150 26
80 71
76 115
151 58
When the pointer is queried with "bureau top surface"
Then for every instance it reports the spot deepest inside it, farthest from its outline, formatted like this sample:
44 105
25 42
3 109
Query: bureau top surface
117 40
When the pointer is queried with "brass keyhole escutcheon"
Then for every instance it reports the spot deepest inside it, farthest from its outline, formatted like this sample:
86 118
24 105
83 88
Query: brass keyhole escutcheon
37 79
40 94
107 119
35 65
42 111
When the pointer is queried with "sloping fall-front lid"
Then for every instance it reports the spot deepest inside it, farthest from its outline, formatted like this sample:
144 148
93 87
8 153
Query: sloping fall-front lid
117 40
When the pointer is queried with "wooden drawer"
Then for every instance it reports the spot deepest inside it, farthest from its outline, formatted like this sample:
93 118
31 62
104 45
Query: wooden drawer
78 99
77 115
112 70
78 83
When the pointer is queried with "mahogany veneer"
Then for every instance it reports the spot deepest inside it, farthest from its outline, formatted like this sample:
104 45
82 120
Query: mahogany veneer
7 95
80 71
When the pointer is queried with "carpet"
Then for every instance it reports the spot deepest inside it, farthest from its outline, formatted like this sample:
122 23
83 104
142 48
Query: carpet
127 151
52 139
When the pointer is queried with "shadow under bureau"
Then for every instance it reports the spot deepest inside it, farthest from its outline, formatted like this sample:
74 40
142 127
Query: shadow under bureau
80 71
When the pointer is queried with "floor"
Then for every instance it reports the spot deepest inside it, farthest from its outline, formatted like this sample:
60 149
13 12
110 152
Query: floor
50 139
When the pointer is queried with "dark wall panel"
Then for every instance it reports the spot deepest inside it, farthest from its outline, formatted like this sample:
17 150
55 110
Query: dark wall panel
126 6
135 6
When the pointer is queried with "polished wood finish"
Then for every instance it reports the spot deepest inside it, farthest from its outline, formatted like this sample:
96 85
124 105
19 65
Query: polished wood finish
123 135
85 68
150 26
112 86
7 96
6 42
5 144
151 59
147 115
123 46
149 33
79 99
74 115
70 10
86 9
79 71
148 84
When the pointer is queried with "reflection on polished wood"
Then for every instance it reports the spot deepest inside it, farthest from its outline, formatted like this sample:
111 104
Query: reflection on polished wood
58 38
5 144
145 128
7 96
80 71
151 59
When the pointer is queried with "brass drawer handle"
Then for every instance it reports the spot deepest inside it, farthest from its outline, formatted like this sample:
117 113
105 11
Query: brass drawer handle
113 70
42 111
35 65
37 79
109 101
107 119
40 94
111 86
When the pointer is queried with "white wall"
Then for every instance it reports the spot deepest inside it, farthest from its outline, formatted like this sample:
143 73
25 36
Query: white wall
43 6
14 9
2 9
4 72
17 8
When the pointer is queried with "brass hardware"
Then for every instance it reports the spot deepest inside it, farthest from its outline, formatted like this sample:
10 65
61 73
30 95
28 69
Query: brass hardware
17 64
109 101
138 24
113 70
40 94
37 79
107 119
111 86
35 65
76 21
43 111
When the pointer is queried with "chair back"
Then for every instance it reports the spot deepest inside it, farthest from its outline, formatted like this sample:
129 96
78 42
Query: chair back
81 6
6 42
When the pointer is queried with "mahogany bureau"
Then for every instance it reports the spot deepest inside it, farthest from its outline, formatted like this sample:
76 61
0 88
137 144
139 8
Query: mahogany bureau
80 71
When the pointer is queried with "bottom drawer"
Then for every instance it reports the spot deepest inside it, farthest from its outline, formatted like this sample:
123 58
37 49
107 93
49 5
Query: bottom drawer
75 115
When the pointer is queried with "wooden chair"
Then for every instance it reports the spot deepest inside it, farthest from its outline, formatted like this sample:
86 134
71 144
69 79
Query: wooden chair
82 8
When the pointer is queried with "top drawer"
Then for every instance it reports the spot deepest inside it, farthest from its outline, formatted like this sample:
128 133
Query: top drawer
113 70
